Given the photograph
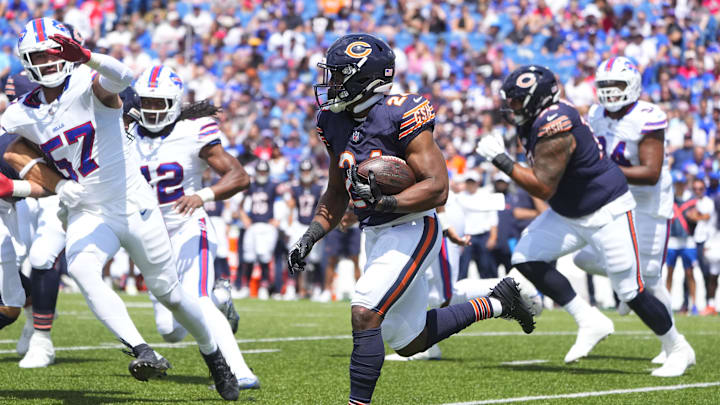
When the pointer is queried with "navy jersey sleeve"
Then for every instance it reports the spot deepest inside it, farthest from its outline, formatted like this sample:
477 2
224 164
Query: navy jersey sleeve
320 129
412 114
5 141
555 119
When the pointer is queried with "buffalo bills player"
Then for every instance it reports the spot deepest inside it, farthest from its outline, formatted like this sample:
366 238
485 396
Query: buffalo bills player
632 131
360 120
590 204
75 117
175 146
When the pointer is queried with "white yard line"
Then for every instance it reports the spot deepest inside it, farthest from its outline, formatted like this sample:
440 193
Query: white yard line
523 362
589 394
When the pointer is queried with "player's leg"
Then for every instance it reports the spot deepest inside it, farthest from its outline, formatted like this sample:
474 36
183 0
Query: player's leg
195 245
12 294
148 245
265 241
672 256
689 259
548 237
618 247
352 241
249 257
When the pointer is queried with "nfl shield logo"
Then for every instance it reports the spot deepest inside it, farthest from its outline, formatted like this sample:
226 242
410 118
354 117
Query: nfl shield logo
355 136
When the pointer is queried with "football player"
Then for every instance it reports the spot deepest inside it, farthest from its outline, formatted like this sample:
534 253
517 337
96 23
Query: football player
302 202
261 231
175 147
590 204
75 117
358 121
632 132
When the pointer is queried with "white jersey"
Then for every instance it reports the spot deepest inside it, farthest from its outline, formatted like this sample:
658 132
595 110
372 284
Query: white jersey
173 164
620 138
86 141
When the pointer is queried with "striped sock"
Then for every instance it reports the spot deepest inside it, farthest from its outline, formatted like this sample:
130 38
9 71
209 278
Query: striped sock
42 322
485 308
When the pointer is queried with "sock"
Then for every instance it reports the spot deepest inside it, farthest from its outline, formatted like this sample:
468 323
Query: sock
467 289
579 309
265 267
186 310
247 273
668 339
222 268
224 337
45 284
652 312
442 323
365 363
660 292
711 302
548 281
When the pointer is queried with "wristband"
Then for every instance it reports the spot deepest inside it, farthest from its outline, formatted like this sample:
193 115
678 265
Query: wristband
504 163
206 194
29 166
444 222
21 188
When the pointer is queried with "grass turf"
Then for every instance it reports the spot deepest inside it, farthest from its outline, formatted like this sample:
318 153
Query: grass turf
304 349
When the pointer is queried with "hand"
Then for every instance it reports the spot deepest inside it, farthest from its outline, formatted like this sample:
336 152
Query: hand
489 147
70 192
187 204
370 192
457 239
296 255
6 187
71 50
491 243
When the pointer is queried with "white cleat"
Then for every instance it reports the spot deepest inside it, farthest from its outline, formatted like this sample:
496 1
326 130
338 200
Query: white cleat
433 353
680 357
131 286
325 296
623 309
24 342
290 294
589 334
240 294
41 352
263 293
660 358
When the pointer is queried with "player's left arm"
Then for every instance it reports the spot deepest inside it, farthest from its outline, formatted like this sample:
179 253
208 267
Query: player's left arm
113 76
233 179
651 152
24 157
427 162
552 154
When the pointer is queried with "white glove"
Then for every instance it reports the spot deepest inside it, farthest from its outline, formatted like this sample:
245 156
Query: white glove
489 147
70 192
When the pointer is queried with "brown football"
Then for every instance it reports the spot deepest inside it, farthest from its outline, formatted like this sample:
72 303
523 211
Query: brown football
392 174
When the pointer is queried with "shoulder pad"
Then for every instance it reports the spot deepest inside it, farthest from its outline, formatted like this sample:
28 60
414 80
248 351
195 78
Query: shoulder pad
554 120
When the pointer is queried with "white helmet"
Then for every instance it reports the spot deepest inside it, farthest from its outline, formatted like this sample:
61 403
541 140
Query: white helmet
35 37
610 75
159 82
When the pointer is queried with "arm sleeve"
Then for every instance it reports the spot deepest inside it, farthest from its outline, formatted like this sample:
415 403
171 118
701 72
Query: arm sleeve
114 75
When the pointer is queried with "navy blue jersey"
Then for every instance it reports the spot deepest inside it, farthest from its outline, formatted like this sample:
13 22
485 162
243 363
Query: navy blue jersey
393 122
5 141
306 199
591 179
262 199
17 85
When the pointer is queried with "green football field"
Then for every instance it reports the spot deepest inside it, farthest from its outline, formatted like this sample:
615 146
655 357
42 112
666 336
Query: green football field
300 351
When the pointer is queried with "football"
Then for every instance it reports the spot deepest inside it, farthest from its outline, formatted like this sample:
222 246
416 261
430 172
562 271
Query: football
392 174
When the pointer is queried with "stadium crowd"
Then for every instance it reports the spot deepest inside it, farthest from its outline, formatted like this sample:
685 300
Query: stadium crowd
257 60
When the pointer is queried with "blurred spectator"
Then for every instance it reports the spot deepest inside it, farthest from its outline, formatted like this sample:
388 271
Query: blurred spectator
481 225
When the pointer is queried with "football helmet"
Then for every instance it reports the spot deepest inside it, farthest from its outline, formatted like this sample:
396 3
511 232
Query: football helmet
160 90
618 83
306 172
35 38
262 172
356 67
535 87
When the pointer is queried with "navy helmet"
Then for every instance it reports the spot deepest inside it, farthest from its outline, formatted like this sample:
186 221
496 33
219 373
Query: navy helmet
535 86
356 67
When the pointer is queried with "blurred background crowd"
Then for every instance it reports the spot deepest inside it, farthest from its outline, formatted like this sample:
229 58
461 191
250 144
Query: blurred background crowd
257 60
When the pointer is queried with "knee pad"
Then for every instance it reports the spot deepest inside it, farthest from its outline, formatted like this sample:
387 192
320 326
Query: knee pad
588 262
172 299
175 336
6 320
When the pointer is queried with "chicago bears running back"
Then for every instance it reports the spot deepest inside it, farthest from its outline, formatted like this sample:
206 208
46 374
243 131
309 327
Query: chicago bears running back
174 150
590 204
360 120
632 132
75 117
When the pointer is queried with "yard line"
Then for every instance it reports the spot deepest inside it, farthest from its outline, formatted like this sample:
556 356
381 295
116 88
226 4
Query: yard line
590 394
114 346
523 362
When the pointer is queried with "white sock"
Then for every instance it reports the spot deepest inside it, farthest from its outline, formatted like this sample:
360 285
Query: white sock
496 307
711 302
579 309
105 303
467 289
186 309
224 337
669 339
45 334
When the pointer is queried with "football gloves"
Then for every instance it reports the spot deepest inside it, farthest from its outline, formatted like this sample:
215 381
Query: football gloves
297 254
492 148
370 192
71 50
70 192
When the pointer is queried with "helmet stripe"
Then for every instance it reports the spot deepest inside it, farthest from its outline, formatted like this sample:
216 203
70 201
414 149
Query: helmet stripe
154 76
40 30
609 65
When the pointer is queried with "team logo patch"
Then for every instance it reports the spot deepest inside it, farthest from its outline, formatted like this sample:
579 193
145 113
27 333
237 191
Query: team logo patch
22 35
355 136
176 80
526 80
358 49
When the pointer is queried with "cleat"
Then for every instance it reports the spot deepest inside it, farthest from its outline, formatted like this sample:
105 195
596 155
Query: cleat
131 286
709 311
679 358
290 294
513 305
23 343
433 353
245 383
240 294
660 358
41 352
224 297
263 293
226 384
147 364
590 333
